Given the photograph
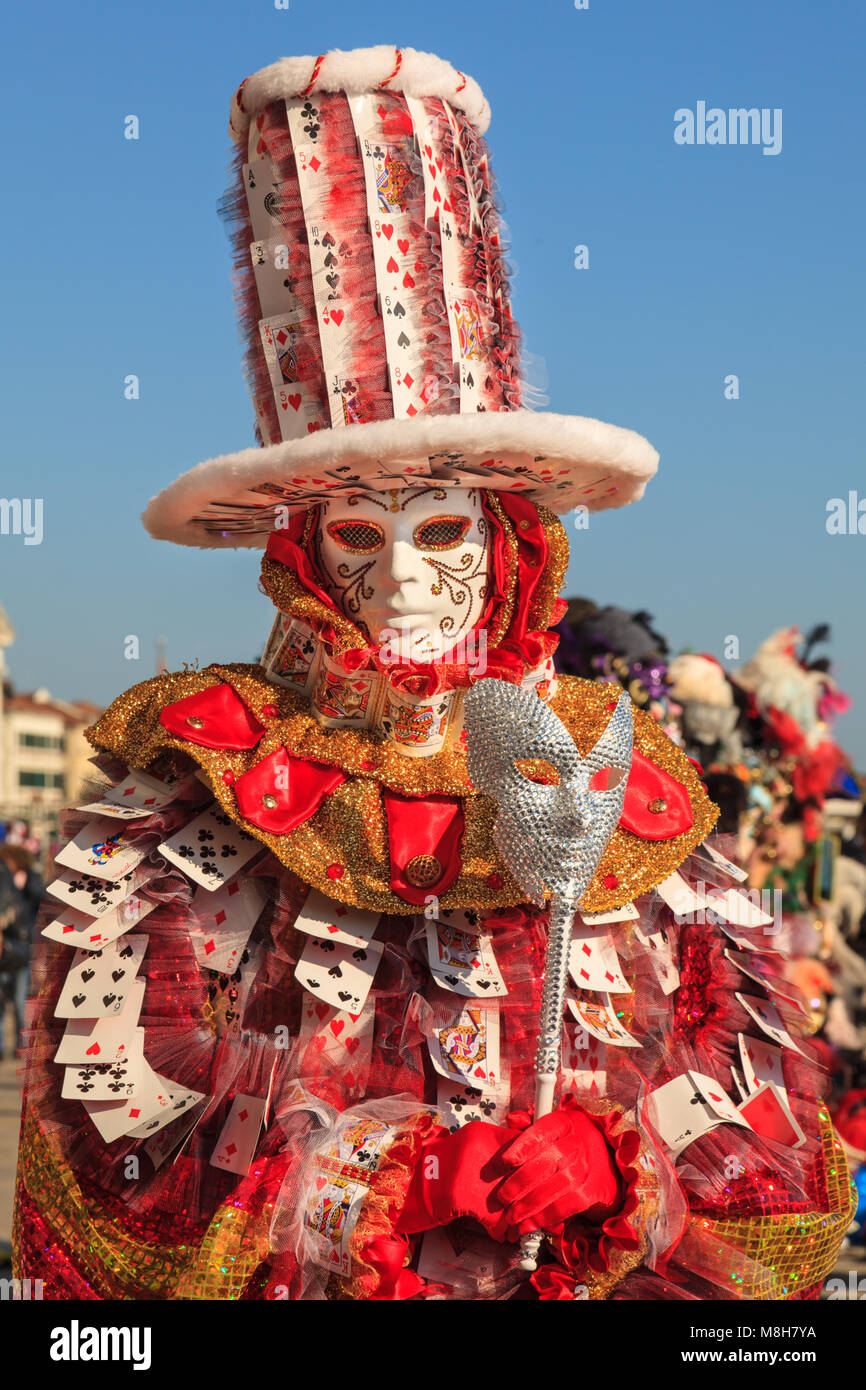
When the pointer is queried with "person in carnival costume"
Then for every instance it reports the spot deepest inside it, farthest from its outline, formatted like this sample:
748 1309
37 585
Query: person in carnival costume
292 976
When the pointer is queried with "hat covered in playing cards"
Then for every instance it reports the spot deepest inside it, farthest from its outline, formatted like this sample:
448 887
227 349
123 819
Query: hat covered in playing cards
380 346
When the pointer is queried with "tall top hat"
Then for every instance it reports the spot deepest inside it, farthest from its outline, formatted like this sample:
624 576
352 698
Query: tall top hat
380 347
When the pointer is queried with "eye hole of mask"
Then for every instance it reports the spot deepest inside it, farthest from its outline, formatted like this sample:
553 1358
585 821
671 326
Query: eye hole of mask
441 532
607 779
362 537
537 770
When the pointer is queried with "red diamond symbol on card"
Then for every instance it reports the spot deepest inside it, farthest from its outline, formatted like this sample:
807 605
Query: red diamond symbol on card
587 950
220 917
134 1114
585 974
408 380
410 410
315 164
130 791
68 929
281 337
209 946
150 801
243 1114
608 976
231 1149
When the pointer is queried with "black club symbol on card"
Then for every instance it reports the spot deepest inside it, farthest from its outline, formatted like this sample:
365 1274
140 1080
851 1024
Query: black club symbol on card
205 852
228 851
186 851
204 835
222 819
457 1102
487 1106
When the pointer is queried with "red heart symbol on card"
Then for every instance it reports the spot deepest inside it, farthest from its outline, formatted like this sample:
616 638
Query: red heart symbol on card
94 1050
479 1071
311 429
337 1025
388 229
447 206
392 265
428 150
436 196
408 282
337 315
352 1044
403 243
322 1009
321 1182
295 402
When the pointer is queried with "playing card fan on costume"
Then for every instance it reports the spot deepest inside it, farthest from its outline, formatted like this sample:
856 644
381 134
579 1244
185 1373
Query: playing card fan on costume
380 344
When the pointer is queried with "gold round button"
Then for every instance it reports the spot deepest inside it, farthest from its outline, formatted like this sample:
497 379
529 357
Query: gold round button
423 871
194 722
270 801
658 805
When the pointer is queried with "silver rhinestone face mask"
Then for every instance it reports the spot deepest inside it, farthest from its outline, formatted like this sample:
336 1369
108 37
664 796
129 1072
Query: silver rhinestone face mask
550 837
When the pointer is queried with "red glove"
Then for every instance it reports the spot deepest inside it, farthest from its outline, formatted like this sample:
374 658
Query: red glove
559 1167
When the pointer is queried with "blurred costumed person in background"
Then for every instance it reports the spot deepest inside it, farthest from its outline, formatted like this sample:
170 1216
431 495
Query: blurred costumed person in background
294 958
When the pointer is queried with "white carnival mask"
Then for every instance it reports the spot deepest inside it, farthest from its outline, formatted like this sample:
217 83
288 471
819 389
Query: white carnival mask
409 565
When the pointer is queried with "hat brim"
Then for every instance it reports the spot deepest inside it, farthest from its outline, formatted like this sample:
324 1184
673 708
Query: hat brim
560 461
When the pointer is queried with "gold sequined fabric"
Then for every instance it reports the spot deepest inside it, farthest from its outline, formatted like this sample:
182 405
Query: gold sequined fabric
349 830
777 1257
117 1263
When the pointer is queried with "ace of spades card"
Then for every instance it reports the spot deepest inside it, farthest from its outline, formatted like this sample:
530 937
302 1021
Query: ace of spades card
211 849
689 1106
113 1080
102 850
99 981
466 1047
338 974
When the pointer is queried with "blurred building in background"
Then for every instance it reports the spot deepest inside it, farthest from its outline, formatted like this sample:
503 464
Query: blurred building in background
43 752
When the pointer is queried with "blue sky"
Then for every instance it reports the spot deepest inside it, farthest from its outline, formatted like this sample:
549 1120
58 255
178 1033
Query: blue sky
704 261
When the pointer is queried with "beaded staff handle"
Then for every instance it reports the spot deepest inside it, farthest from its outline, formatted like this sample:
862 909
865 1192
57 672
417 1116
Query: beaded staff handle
551 837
